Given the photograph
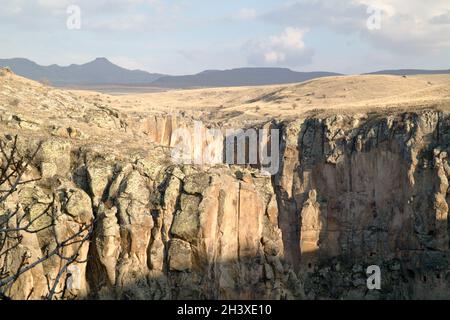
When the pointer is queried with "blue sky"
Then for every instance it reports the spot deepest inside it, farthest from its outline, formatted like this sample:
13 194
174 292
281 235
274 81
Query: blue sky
181 36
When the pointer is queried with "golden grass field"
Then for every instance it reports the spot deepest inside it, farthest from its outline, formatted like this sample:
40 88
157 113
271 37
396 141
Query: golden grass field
332 94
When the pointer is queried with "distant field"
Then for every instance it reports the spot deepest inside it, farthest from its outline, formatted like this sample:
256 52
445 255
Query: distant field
117 89
330 94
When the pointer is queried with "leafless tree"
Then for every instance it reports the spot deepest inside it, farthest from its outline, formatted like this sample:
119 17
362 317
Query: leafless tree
15 223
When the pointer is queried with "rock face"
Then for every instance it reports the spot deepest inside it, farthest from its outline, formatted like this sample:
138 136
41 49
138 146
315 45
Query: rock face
352 191
367 192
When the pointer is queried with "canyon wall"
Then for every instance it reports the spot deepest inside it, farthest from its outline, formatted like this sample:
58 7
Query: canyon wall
352 191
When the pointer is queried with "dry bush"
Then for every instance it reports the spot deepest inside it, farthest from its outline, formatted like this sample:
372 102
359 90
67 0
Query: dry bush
14 102
4 71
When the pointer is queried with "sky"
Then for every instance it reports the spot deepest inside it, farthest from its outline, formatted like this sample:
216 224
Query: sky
189 36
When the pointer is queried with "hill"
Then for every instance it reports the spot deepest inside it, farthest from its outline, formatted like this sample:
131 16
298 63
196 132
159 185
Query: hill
238 77
410 72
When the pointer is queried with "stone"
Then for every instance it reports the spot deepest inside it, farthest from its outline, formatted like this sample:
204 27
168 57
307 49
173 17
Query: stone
197 183
186 221
180 255
55 155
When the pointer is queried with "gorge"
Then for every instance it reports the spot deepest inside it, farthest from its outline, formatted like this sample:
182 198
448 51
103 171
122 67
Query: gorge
365 183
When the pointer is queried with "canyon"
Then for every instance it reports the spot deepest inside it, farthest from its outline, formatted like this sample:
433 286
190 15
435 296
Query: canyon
363 180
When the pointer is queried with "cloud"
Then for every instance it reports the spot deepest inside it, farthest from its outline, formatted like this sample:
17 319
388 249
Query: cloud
123 23
287 49
246 14
441 18
407 26
99 15
54 4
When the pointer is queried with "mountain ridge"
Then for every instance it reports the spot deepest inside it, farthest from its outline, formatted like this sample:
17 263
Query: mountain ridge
409 72
102 71
239 77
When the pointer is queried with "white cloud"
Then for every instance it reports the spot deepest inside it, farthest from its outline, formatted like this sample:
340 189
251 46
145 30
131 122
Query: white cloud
247 14
407 26
123 23
441 18
54 4
287 49
107 15
274 57
11 8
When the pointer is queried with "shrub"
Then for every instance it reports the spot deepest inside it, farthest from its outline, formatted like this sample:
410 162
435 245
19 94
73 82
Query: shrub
15 102
4 71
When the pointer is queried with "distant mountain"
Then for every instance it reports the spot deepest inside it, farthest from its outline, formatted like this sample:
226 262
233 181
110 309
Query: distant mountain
99 71
238 77
410 72
103 72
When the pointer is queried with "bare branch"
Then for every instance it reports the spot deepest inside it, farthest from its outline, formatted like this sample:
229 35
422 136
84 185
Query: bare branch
14 224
